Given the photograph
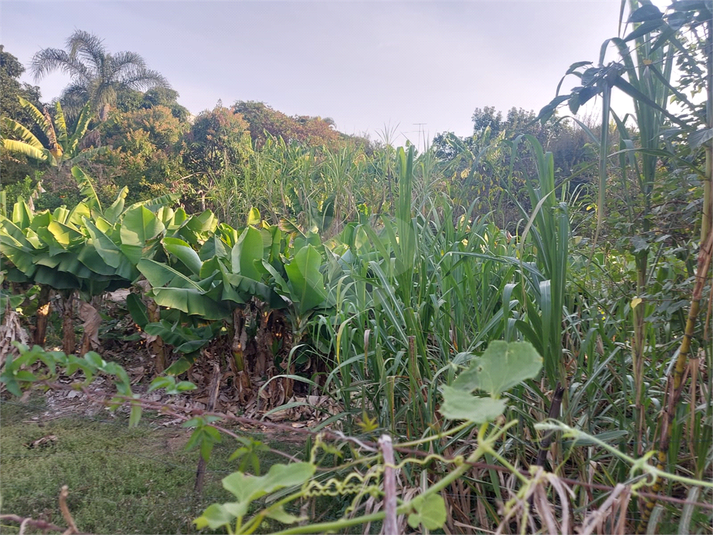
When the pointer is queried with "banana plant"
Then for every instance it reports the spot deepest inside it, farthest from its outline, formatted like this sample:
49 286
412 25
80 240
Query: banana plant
239 281
63 147
87 249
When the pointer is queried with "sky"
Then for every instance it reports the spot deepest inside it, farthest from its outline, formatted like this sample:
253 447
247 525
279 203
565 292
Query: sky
408 69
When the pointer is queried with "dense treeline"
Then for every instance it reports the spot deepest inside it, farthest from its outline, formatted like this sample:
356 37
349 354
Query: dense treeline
234 157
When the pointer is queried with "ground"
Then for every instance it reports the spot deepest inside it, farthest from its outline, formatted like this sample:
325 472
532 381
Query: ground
120 479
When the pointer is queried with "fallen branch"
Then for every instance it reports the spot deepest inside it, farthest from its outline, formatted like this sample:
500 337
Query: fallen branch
47 526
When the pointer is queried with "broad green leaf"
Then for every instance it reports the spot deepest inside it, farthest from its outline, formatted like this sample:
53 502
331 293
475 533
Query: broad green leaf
25 149
191 302
460 405
305 280
254 217
159 274
213 247
138 227
115 210
90 257
178 367
77 215
64 235
247 488
59 280
24 375
502 366
184 253
162 382
21 214
204 222
41 219
430 512
137 309
191 346
25 135
94 359
248 253
214 517
110 252
86 189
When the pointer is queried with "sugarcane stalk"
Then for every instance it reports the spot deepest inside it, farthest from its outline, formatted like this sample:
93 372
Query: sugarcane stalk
675 380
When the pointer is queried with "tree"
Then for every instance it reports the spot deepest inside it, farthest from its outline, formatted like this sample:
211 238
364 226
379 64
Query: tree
98 77
11 88
264 121
145 154
481 167
218 140
15 167
131 100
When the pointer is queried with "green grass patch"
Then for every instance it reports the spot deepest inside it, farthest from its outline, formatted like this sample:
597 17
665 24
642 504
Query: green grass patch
120 479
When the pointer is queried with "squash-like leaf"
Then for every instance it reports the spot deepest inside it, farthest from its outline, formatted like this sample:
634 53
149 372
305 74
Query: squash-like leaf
502 366
461 405
430 512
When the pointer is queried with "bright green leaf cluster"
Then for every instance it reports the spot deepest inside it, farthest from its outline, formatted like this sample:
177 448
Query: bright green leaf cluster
502 366
247 489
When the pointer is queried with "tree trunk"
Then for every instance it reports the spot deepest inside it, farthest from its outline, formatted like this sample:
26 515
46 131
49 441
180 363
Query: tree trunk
69 342
242 378
43 312
156 347
91 321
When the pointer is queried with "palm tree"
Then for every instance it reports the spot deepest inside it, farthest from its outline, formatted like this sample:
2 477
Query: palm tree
97 75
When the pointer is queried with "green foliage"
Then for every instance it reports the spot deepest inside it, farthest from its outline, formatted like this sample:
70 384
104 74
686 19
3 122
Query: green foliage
61 145
501 367
218 141
388 275
265 122
430 512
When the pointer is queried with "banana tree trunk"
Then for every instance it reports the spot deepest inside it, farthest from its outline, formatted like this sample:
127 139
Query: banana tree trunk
69 341
240 336
91 321
43 312
156 347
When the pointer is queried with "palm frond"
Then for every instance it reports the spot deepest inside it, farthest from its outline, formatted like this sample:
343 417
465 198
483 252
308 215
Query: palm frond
89 47
144 79
53 59
74 97
122 60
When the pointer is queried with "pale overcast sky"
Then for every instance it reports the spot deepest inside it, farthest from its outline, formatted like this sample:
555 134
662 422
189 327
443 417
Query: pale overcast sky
406 66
